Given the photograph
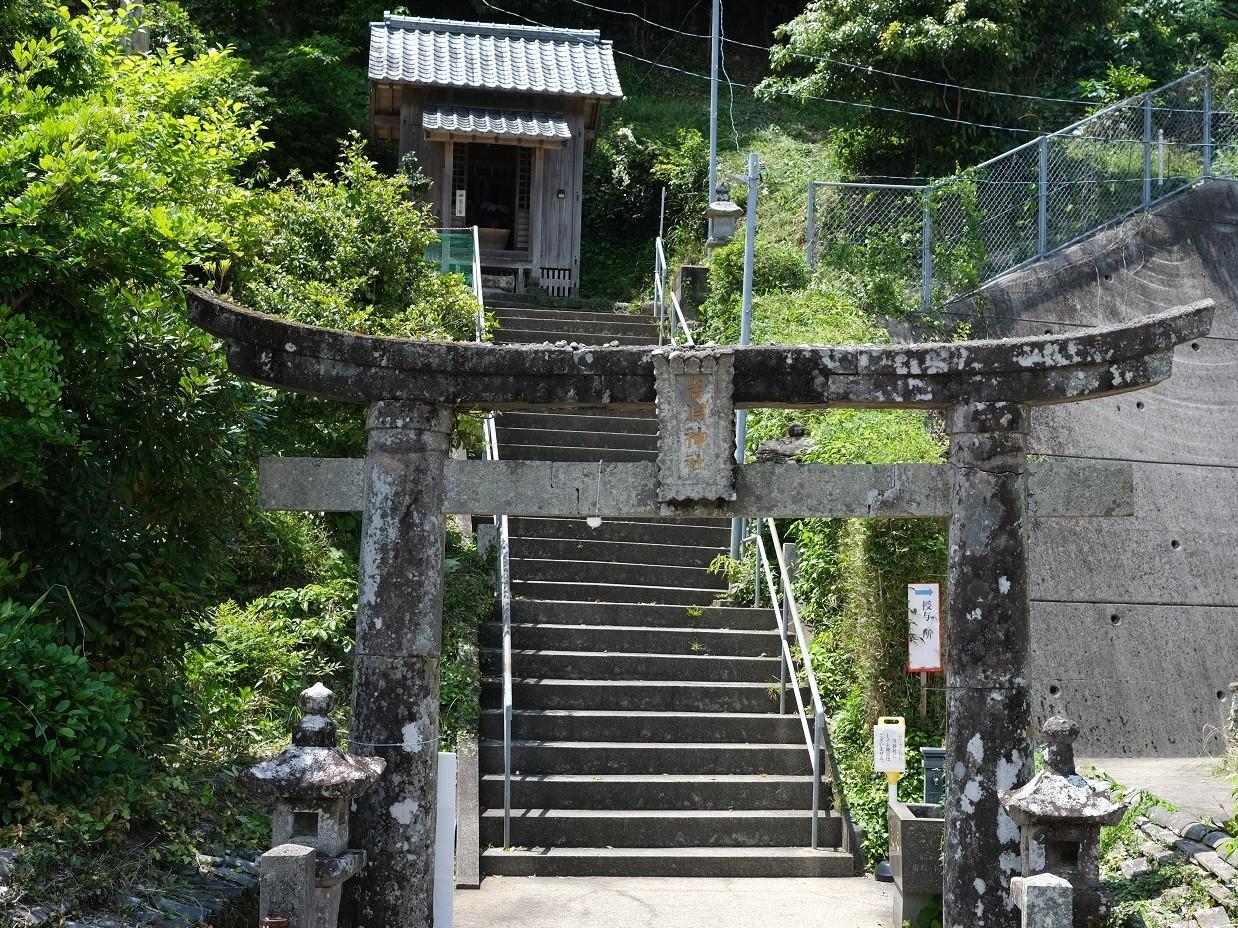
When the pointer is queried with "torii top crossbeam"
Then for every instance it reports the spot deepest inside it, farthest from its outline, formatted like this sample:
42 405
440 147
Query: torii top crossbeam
413 389
355 368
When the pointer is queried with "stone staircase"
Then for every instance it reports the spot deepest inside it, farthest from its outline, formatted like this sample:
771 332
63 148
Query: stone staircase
645 736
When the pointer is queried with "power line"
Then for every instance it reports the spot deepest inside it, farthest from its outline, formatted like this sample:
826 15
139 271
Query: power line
836 61
730 86
789 93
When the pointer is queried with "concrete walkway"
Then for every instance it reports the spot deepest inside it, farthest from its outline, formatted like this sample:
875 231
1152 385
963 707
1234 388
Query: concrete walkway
665 902
1190 783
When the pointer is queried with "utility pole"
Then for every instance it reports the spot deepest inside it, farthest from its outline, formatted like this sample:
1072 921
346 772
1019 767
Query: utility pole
715 47
745 323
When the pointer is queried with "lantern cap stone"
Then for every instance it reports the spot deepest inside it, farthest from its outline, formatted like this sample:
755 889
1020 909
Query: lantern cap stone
1058 795
724 209
313 768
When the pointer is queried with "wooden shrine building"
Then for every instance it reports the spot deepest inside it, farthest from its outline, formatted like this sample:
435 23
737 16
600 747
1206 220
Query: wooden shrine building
500 119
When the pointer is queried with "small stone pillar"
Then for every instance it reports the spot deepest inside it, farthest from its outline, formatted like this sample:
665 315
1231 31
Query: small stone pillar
1060 816
1044 899
988 708
311 784
399 638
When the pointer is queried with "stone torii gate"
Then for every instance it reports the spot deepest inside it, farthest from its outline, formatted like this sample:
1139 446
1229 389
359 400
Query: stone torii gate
406 483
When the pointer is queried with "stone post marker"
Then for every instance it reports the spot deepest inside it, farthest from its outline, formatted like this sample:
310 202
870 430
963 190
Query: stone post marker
1060 815
311 784
1045 900
988 708
399 637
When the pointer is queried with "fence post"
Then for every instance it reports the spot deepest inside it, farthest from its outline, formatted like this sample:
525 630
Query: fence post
1207 123
926 251
1147 149
812 225
1042 206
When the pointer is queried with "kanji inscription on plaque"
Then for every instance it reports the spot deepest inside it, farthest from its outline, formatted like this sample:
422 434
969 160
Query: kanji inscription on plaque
696 424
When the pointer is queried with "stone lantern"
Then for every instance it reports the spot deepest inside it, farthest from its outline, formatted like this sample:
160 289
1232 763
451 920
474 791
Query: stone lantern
1060 815
723 216
311 783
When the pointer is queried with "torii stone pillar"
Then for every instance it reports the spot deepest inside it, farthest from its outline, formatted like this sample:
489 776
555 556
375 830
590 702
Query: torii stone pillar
988 706
399 636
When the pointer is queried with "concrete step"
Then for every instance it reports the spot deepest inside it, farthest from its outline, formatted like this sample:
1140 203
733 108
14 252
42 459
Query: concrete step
620 552
642 615
511 321
545 437
633 422
697 533
646 574
600 758
655 791
571 315
657 828
591 453
681 862
626 725
522 336
636 695
633 639
586 665
613 593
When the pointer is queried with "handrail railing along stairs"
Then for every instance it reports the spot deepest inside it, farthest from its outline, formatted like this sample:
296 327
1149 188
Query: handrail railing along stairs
817 736
490 441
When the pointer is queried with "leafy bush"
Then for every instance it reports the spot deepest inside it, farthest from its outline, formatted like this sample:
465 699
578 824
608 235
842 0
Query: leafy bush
775 268
244 682
62 725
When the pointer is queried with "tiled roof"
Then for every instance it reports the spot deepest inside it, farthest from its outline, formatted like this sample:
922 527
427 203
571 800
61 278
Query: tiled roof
470 120
450 53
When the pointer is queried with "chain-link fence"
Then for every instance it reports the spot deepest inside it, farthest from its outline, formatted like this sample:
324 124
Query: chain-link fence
942 240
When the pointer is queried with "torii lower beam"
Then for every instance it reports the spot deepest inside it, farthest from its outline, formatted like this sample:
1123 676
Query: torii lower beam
414 387
561 489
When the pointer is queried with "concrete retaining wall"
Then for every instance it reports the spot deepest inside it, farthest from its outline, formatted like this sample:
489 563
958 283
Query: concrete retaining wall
1135 621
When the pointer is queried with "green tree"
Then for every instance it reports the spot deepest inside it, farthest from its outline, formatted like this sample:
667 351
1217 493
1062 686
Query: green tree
126 435
1012 46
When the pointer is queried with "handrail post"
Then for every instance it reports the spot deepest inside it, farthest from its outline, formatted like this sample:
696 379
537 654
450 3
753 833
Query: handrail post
1042 198
1147 149
756 575
1208 123
791 558
812 225
818 730
926 250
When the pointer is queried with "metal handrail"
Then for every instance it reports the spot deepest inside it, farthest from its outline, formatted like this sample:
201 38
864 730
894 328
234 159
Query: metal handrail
817 738
490 442
491 436
661 292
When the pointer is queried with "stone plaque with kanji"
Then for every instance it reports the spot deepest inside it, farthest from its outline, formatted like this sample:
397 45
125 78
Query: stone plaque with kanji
696 424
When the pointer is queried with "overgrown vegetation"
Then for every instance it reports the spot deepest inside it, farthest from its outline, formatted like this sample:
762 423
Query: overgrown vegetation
155 624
